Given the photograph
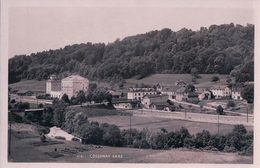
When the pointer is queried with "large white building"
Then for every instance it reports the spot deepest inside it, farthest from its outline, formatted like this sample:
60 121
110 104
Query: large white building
53 87
73 84
139 93
220 91
70 85
236 94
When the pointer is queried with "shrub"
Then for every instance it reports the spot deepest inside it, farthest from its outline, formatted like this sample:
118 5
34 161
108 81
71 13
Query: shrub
231 103
217 141
214 79
202 139
43 138
189 142
220 110
141 144
111 136
91 134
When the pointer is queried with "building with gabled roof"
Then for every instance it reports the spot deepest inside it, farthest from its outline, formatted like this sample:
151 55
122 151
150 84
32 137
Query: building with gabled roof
236 93
71 85
220 91
139 93
150 99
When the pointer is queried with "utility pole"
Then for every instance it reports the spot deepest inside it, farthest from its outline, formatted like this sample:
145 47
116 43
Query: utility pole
218 123
130 128
247 113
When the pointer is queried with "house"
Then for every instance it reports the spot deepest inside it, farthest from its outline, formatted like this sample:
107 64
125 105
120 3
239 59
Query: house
180 83
24 93
205 95
148 100
125 104
139 93
116 95
53 84
183 95
169 90
221 91
236 93
70 85
160 106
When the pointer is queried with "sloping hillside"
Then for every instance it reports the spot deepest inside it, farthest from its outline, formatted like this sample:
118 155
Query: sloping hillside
221 49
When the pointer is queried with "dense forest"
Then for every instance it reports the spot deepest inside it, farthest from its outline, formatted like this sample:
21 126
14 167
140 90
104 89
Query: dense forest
222 49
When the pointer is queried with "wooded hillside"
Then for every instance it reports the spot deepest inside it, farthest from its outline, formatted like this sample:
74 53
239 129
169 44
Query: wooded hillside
223 49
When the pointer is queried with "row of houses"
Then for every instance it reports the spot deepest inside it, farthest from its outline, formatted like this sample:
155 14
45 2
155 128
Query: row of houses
181 94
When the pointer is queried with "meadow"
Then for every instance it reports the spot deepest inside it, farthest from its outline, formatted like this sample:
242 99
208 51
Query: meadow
156 124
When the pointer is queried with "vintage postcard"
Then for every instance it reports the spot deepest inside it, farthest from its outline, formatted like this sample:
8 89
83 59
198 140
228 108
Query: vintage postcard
129 82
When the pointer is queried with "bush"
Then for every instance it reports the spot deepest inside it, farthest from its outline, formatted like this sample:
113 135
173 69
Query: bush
141 144
43 138
214 79
248 151
220 110
43 130
112 135
91 134
231 103
202 139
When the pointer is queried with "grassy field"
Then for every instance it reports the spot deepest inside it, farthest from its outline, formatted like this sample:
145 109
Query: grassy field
40 86
164 79
170 79
95 112
155 124
32 85
22 150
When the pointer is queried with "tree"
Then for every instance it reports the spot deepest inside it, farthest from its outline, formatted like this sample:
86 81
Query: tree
91 134
65 98
220 110
59 113
190 88
194 72
202 139
248 94
231 103
81 98
229 80
42 138
92 87
112 135
215 78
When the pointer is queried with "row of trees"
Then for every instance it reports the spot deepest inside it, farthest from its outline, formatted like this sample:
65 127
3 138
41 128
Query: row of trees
97 96
105 134
223 49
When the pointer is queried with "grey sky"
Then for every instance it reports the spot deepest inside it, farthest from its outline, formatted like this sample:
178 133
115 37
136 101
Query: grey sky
34 29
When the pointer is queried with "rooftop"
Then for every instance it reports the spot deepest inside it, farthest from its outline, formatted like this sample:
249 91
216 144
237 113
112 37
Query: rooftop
219 86
157 98
75 78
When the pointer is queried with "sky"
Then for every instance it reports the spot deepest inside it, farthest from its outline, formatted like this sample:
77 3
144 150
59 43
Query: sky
38 28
